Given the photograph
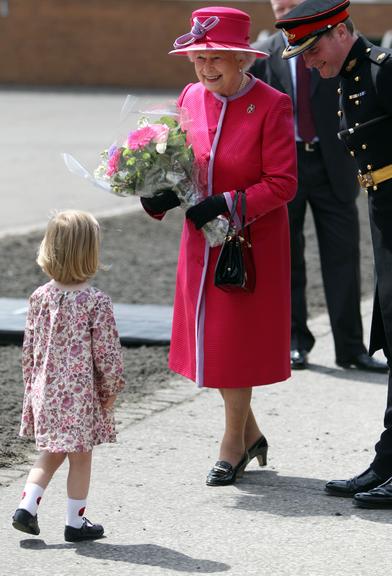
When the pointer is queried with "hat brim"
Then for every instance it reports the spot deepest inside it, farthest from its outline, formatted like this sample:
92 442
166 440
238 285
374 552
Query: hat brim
291 51
206 46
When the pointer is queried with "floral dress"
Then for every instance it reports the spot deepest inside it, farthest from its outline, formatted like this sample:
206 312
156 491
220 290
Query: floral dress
71 362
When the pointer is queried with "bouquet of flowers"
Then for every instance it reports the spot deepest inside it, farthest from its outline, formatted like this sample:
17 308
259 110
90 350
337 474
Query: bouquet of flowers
153 158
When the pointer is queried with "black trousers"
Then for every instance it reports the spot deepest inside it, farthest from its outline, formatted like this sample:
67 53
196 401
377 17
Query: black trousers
337 229
382 463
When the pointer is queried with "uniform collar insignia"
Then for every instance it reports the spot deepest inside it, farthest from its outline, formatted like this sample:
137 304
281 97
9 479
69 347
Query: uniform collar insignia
351 65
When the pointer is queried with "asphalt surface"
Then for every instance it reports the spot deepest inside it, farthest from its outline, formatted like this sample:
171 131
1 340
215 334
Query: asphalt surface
149 491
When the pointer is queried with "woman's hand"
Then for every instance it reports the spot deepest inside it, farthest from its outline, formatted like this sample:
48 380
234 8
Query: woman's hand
162 201
108 403
207 210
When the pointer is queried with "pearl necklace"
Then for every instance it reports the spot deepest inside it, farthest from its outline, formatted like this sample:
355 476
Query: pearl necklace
244 82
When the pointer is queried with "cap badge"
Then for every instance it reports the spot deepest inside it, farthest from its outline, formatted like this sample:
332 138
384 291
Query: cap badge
288 34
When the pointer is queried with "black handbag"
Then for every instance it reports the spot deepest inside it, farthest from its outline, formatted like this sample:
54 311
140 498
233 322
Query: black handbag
235 268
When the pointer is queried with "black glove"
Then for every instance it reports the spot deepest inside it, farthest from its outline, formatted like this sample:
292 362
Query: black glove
162 201
207 210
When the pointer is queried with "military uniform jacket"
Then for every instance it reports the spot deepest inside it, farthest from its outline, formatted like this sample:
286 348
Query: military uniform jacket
366 122
275 71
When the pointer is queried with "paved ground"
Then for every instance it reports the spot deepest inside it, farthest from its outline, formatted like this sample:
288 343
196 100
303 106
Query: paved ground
160 518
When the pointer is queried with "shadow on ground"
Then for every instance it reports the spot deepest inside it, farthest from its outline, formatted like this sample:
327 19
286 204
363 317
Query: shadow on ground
294 496
141 554
350 374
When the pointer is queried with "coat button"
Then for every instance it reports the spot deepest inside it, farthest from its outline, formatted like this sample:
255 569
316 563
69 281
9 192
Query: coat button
356 102
357 78
340 113
369 166
339 91
364 146
352 152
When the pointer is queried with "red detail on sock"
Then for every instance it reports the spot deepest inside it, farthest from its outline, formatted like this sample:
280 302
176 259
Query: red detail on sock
38 500
81 511
23 495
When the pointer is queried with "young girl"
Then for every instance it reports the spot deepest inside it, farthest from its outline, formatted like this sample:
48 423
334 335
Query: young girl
72 369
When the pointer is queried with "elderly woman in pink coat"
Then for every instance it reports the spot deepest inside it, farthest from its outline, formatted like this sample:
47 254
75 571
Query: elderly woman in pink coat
241 132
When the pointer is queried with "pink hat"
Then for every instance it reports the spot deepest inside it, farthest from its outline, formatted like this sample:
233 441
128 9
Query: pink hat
217 28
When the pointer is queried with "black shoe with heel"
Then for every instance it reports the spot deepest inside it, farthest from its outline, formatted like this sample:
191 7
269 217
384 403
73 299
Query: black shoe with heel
259 450
223 473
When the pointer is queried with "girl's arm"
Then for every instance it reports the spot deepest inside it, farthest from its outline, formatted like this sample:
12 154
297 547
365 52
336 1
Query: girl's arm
106 350
27 350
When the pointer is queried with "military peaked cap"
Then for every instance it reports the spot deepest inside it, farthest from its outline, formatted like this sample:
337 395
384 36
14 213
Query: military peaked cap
308 21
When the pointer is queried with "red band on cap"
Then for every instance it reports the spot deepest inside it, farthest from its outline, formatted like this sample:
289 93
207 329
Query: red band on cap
297 33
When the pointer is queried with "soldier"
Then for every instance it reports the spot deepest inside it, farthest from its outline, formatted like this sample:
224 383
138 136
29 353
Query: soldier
327 185
324 33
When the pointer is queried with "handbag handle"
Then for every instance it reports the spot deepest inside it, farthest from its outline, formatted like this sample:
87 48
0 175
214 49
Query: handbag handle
242 217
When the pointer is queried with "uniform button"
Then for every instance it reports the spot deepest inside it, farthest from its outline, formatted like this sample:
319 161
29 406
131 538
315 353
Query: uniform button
352 152
339 90
368 50
340 113
356 102
374 188
369 166
356 124
364 146
357 78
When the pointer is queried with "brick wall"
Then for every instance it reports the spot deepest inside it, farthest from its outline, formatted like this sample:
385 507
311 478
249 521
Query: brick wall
118 42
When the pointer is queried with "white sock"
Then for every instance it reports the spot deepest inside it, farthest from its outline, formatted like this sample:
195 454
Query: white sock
31 497
75 512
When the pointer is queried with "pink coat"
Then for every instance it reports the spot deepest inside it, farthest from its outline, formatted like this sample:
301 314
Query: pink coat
227 340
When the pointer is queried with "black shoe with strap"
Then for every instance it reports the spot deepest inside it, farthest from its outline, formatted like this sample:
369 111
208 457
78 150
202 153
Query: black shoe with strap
88 531
25 522
379 497
364 362
361 483
223 473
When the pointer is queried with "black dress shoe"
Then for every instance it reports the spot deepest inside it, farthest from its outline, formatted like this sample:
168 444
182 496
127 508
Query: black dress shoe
223 473
259 450
299 359
364 362
87 531
25 522
379 497
347 488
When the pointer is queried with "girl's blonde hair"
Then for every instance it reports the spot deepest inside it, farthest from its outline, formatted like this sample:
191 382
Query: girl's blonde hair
69 252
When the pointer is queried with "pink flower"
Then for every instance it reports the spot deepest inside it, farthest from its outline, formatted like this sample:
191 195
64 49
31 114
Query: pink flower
140 138
113 162
161 133
67 402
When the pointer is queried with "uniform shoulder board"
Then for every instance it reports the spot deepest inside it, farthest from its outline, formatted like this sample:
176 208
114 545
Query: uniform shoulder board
379 55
